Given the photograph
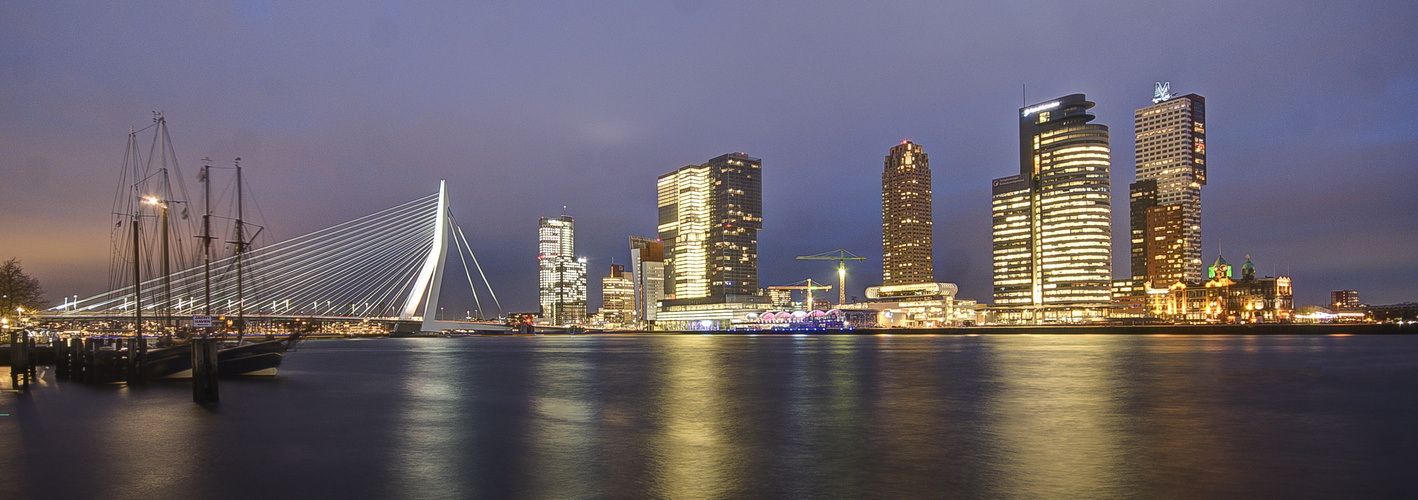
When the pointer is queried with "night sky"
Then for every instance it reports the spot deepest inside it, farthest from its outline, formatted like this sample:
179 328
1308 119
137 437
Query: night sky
341 109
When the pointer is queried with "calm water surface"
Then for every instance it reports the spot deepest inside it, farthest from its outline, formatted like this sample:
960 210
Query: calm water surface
689 416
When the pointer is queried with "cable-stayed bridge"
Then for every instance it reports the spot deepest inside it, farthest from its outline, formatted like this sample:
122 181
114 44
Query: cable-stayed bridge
386 267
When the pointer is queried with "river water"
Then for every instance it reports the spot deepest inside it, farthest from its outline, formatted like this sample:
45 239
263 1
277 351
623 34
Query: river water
739 416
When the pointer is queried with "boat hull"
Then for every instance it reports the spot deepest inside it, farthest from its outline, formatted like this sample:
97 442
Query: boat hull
257 359
173 362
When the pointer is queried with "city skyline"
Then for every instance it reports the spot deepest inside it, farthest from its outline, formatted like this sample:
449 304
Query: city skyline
338 117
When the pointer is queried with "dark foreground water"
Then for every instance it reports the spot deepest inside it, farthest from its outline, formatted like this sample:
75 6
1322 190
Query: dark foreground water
905 416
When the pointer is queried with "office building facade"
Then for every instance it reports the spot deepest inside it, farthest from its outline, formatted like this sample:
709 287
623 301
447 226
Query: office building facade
1344 299
647 270
1051 222
617 297
906 240
684 229
709 217
562 276
1170 171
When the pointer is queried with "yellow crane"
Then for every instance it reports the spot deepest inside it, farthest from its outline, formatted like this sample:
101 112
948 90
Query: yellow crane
807 284
841 256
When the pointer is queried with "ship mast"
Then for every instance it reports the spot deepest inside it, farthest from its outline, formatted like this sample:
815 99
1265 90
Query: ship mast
137 275
240 248
166 222
207 234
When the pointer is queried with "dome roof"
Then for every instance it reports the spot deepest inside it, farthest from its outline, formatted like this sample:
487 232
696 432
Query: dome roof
1248 266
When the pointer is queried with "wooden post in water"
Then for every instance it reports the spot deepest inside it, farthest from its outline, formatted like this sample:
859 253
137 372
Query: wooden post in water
61 370
86 358
76 360
204 370
132 368
19 360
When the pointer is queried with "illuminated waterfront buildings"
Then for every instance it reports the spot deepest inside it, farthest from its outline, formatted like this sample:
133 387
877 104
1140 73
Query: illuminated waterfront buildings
562 276
1165 202
906 217
709 217
1225 299
647 274
684 229
617 297
1051 222
1344 299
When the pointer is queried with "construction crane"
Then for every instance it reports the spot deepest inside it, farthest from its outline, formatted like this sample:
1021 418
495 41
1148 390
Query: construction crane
807 284
841 256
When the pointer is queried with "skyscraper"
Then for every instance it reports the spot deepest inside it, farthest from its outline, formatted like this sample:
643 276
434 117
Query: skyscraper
906 217
1171 169
562 276
684 229
647 270
709 217
1051 222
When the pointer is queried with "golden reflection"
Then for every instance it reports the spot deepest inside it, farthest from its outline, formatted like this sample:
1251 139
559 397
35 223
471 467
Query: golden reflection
693 455
1060 429
563 430
426 458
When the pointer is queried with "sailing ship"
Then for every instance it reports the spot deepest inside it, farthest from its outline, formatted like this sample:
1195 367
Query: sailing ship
172 357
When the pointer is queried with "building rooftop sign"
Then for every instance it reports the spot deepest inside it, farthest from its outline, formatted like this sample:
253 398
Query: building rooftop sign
1161 91
1034 109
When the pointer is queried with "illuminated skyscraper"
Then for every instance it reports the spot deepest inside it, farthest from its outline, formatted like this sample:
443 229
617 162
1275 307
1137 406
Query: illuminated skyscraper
709 219
906 217
562 276
684 230
1171 169
1052 235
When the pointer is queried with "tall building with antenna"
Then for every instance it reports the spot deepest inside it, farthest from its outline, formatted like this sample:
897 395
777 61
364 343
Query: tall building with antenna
1166 199
1051 222
562 275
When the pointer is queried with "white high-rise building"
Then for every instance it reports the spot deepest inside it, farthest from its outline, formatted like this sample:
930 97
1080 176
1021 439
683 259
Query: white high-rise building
562 276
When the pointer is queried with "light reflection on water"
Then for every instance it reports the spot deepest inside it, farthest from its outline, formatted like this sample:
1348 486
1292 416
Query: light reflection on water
426 456
693 416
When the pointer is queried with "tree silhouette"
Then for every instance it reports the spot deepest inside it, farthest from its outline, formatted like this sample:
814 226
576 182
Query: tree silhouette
18 289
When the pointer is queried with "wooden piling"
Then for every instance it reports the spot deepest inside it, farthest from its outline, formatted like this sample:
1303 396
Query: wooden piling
204 371
19 360
86 355
134 362
61 371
